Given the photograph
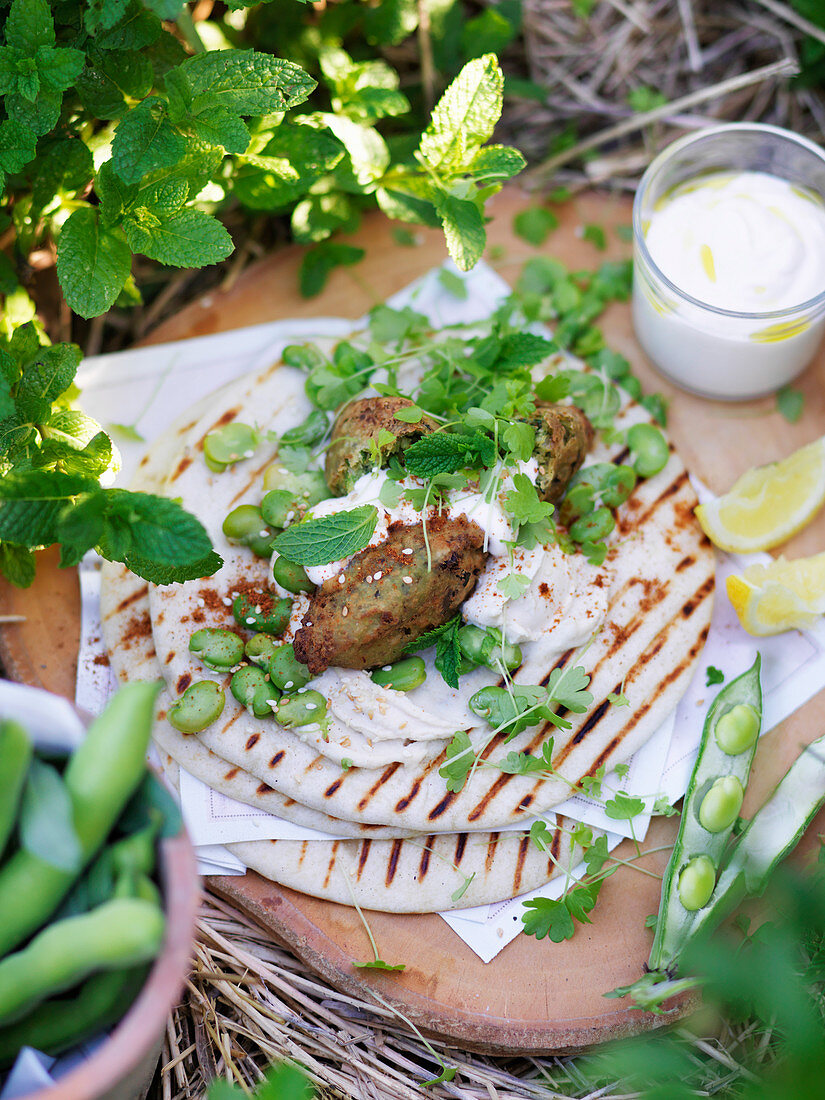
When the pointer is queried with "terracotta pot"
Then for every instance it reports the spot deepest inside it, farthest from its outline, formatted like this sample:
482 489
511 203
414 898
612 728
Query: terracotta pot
122 1067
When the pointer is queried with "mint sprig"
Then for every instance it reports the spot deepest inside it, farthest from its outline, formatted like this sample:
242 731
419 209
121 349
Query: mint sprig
328 538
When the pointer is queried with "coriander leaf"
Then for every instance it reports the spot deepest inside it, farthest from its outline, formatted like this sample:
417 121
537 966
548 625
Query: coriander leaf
520 763
618 699
581 901
465 116
93 263
622 770
310 431
595 234
459 893
189 238
567 687
548 917
390 494
513 585
328 538
790 402
459 762
412 415
464 231
514 709
520 439
535 224
523 502
664 808
596 855
623 807
541 836
714 676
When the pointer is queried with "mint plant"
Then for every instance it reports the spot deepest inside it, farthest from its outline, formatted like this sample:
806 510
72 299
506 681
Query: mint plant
122 134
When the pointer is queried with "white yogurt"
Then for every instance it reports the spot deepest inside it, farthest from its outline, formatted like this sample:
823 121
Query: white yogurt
748 243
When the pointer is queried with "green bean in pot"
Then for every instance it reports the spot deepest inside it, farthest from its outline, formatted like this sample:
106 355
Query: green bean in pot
15 757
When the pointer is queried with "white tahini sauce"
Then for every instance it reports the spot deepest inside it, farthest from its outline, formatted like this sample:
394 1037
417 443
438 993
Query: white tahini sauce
745 241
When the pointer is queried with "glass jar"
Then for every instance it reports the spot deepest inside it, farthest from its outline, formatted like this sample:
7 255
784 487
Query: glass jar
713 351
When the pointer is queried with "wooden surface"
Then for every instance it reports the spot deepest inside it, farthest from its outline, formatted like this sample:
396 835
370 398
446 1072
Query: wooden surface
536 996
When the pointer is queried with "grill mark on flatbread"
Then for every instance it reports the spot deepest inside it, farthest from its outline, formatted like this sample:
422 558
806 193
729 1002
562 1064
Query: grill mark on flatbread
303 852
460 845
141 594
170 656
333 787
252 741
253 481
182 467
562 661
671 490
643 661
555 844
224 419
438 810
525 802
386 774
232 773
277 758
685 563
619 458
689 606
331 865
404 802
363 852
492 844
489 795
424 863
264 788
521 856
392 862
184 680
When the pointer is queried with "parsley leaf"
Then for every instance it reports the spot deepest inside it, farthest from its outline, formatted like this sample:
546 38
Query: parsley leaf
379 964
623 807
713 676
556 919
328 538
459 762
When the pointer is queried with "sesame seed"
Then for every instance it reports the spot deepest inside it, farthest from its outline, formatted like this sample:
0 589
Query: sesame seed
249 454
226 601
377 576
311 706
307 623
290 515
264 534
250 619
289 684
407 551
301 691
387 668
345 612
407 580
201 602
369 578
341 578
235 595
272 703
258 609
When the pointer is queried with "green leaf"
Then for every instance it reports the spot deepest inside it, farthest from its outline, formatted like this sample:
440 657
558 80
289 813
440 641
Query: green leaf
464 231
390 22
39 116
45 378
93 263
453 284
513 585
31 501
189 238
458 763
46 819
596 855
541 836
379 964
328 538
496 162
17 564
63 166
290 162
556 919
29 25
245 81
59 68
623 807
18 145
714 676
448 652
489 32
445 452
596 235
407 208
320 261
465 116
568 688
790 403
644 98
535 224
523 502
136 29
520 439
145 140
8 284
316 217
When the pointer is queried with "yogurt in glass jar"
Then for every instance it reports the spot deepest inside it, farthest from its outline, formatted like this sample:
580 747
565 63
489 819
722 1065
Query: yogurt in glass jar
729 259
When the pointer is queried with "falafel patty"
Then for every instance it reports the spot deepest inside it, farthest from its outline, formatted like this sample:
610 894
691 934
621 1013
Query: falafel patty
564 435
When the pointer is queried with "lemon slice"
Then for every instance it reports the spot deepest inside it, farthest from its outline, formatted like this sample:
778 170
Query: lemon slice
768 504
781 596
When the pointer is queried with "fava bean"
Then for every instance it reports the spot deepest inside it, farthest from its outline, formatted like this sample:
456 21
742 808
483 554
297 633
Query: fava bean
650 448
229 444
302 709
251 615
251 687
291 576
279 508
286 671
579 501
593 528
307 488
405 675
487 647
200 705
119 933
721 804
245 524
620 484
217 647
260 648
696 882
15 757
101 776
737 729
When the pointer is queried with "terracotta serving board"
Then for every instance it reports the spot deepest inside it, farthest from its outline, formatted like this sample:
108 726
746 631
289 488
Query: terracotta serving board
536 996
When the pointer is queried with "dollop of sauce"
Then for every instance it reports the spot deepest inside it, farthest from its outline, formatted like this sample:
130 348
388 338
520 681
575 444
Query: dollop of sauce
744 241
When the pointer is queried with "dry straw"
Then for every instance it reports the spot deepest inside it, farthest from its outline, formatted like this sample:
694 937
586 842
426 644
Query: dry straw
701 61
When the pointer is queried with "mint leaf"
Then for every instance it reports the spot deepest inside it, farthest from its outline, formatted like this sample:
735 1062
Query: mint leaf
448 653
320 261
464 231
465 116
17 564
145 140
496 162
244 81
29 25
31 502
446 453
535 224
218 126
329 538
459 762
430 637
93 263
18 145
44 379
189 238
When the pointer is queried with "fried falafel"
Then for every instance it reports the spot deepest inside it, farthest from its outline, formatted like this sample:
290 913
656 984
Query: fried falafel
564 435
355 448
391 594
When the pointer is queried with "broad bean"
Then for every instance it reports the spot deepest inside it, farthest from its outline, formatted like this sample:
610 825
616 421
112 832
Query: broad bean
245 525
15 757
251 615
200 705
260 648
650 448
286 671
696 882
404 675
291 576
229 444
307 488
620 484
304 708
737 729
721 804
594 527
251 687
487 647
217 648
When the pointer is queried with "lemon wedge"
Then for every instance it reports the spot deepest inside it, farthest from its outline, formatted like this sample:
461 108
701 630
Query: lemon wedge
769 503
784 595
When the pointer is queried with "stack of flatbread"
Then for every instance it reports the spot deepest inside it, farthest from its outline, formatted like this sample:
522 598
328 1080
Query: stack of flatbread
413 845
